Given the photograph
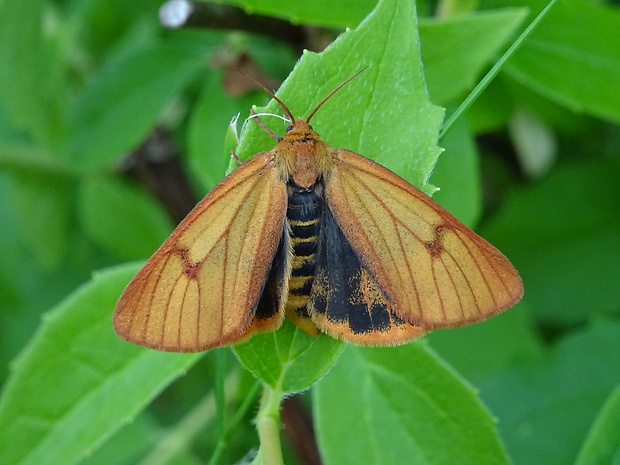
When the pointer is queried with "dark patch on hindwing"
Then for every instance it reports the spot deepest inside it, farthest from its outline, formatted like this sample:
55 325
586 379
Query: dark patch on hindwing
344 291
269 303
325 276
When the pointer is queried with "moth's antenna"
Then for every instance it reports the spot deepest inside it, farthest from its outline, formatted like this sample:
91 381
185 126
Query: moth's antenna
333 92
288 113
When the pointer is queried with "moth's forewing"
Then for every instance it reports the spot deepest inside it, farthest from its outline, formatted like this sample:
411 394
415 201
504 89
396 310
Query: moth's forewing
434 271
202 286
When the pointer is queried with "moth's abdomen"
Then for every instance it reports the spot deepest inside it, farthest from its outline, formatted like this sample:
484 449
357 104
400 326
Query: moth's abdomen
304 212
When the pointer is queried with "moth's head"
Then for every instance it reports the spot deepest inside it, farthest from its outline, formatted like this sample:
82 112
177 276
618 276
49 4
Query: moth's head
300 130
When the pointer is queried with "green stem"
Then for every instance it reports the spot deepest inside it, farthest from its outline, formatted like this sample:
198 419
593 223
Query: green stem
473 96
268 426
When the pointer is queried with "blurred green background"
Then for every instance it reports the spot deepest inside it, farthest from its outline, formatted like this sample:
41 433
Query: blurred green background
111 127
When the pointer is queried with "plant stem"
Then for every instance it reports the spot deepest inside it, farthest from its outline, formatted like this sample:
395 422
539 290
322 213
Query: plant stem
268 426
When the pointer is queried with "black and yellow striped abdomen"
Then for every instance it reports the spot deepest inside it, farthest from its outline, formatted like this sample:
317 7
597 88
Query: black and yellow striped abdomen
305 208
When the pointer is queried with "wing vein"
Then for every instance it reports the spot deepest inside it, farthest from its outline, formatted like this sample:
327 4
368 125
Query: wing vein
437 290
409 270
181 312
479 268
453 282
388 210
152 297
359 202
396 221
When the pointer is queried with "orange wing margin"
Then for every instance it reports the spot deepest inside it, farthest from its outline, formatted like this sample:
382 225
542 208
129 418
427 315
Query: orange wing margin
200 289
434 270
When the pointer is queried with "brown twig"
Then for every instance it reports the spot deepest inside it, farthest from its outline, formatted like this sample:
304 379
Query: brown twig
157 165
186 13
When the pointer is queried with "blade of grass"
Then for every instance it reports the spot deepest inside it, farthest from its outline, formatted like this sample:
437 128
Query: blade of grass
471 98
234 423
178 438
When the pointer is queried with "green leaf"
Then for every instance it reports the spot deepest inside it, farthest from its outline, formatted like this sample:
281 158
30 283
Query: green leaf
207 157
43 204
456 49
602 447
562 239
22 59
126 99
401 405
210 135
331 14
77 382
485 348
573 57
384 113
289 360
122 219
129 444
547 406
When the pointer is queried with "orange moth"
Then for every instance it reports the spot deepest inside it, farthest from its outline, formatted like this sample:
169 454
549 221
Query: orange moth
325 237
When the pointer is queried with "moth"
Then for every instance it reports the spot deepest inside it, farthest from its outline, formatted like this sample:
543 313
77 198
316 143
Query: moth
325 237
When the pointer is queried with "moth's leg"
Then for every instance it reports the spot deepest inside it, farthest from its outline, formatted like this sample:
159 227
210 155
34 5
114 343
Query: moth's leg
236 158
